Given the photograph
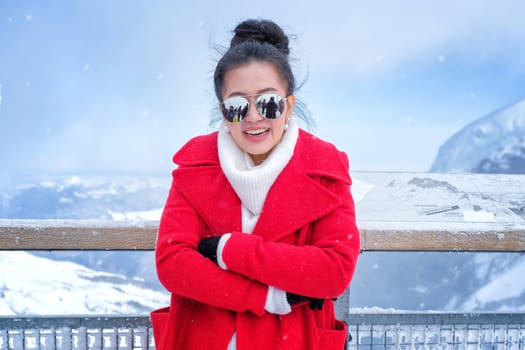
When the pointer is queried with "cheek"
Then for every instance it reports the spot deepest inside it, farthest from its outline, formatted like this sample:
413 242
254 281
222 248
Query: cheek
233 128
278 127
236 133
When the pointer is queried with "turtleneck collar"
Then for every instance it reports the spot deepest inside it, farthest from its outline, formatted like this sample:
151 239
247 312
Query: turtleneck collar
252 182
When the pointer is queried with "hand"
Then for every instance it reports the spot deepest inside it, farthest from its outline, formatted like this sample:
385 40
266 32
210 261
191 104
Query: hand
208 247
315 304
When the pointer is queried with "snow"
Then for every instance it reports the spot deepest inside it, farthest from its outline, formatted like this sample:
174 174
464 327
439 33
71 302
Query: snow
43 224
145 215
509 284
376 310
359 189
478 216
99 187
439 202
34 285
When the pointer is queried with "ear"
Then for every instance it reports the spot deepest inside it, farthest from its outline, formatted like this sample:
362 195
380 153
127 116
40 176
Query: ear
290 101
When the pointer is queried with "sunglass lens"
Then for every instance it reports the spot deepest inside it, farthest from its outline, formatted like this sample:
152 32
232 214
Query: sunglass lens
234 109
270 106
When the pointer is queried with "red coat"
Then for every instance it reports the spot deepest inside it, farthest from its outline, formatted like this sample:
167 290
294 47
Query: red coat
305 242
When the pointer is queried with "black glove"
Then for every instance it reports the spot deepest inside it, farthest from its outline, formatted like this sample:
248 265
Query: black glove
208 247
315 304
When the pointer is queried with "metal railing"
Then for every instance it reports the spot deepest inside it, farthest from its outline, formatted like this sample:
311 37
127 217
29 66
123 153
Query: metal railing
437 331
366 331
69 332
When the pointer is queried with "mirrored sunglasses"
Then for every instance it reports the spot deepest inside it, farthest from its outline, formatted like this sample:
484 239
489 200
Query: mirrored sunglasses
269 106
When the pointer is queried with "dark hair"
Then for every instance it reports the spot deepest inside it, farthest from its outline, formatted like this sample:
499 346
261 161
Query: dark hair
259 40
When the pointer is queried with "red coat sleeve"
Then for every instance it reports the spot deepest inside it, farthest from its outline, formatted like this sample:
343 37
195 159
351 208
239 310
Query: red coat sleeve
184 271
322 269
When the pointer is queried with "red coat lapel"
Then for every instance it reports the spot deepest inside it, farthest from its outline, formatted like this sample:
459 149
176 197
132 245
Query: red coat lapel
210 193
297 196
295 200
201 180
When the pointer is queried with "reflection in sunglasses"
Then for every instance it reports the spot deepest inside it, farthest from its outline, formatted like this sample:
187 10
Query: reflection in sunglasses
269 106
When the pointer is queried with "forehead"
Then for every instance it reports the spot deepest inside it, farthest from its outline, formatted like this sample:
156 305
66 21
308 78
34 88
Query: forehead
253 78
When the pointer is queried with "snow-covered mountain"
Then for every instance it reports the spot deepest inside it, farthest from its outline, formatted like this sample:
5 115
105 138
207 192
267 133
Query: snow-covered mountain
503 283
35 285
463 282
130 287
87 197
494 143
114 198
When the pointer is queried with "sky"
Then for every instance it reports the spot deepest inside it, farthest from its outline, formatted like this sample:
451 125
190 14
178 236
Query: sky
116 87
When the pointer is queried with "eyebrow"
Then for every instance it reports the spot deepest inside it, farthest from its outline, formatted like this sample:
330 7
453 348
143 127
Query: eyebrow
238 93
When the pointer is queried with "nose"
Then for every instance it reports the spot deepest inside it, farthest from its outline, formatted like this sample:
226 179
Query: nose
252 115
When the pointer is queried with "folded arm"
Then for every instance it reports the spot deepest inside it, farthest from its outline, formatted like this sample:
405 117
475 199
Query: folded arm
322 269
184 271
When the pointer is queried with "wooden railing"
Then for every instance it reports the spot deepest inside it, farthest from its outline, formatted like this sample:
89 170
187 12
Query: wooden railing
375 236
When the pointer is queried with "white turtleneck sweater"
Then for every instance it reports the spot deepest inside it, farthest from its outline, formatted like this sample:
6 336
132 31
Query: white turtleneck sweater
251 183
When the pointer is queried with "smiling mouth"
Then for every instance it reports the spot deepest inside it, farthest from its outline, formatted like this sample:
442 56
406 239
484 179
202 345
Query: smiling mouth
256 132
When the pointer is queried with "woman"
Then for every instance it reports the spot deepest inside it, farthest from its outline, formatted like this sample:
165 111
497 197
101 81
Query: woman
258 234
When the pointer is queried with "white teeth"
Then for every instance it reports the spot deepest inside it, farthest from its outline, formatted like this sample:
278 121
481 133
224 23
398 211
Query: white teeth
255 132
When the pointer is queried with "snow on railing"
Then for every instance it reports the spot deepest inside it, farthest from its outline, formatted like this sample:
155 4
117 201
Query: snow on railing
375 236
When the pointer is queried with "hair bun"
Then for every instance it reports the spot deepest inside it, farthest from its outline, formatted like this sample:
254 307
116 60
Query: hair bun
263 31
